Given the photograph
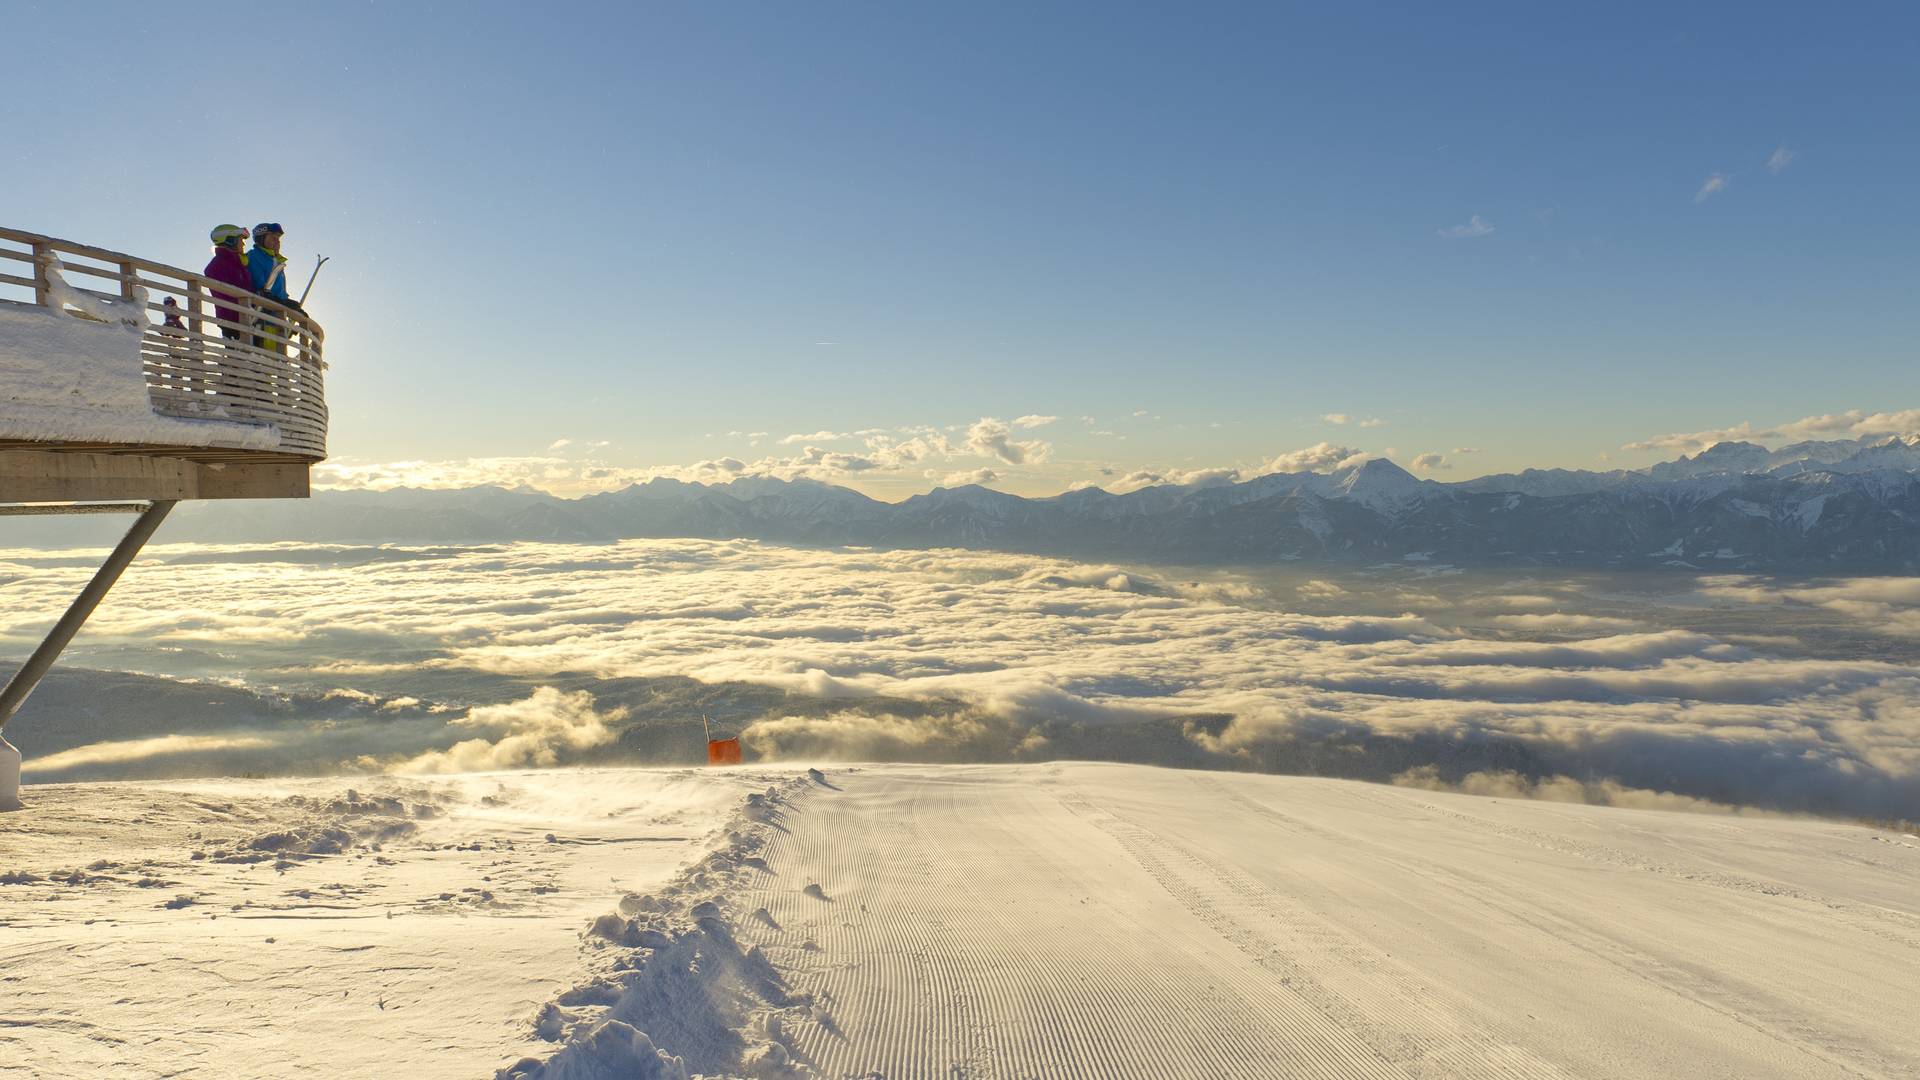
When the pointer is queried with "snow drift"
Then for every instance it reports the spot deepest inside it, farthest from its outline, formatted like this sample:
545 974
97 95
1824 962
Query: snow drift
64 377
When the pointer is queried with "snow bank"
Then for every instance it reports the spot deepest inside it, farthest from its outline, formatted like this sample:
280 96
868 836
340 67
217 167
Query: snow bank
674 991
74 378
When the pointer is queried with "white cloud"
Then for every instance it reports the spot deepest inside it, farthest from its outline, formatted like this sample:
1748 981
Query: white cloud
1854 423
1713 185
581 473
1466 450
1508 784
559 444
721 469
969 476
533 733
1523 601
1891 606
1337 418
1320 457
1033 420
1150 477
989 437
1567 623
993 648
1782 157
1475 226
1373 422
1431 461
546 473
1320 589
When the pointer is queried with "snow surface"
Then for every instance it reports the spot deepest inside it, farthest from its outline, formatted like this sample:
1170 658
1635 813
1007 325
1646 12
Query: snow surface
69 378
365 927
1108 920
941 921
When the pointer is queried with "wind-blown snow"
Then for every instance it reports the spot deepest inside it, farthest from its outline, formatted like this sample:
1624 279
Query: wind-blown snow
69 378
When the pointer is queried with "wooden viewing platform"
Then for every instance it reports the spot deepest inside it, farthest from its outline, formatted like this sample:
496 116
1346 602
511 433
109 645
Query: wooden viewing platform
113 400
269 401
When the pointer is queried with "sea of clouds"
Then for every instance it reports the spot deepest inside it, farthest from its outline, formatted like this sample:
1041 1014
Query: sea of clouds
1694 692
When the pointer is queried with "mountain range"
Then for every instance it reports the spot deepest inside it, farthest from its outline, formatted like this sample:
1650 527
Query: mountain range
1839 505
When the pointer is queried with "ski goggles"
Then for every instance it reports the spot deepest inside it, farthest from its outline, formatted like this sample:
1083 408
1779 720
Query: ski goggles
269 226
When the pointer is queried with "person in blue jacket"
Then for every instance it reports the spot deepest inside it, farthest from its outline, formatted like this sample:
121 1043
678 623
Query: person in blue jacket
269 271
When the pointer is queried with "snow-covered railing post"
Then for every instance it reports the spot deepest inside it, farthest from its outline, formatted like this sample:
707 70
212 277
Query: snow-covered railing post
43 274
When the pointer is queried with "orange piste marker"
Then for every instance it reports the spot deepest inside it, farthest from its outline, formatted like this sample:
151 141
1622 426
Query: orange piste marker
720 751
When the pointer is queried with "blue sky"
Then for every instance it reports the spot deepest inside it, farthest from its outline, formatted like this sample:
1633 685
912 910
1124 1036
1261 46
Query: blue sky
1206 228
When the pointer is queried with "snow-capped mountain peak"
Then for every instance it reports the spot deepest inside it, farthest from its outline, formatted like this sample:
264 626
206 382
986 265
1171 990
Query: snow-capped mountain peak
1379 485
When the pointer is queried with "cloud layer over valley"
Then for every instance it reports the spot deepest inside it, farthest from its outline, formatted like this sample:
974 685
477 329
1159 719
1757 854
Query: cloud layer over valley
462 658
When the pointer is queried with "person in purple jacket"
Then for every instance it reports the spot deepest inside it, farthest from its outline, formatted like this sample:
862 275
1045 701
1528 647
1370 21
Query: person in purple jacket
229 267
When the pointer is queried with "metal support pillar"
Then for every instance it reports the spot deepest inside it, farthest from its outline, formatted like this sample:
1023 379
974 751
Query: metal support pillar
43 657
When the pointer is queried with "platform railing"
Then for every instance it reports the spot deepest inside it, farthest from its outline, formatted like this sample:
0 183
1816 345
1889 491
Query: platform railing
263 367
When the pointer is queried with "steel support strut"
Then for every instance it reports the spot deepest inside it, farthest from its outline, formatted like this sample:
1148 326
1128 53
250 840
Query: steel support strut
43 657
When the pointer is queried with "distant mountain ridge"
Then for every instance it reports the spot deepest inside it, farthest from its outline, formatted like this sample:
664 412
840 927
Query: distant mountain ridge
1843 505
1724 459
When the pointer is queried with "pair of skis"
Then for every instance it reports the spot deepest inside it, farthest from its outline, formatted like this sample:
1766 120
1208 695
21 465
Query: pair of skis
302 302
316 273
272 339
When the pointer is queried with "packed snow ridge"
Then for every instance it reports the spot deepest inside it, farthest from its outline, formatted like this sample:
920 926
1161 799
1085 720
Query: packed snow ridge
668 971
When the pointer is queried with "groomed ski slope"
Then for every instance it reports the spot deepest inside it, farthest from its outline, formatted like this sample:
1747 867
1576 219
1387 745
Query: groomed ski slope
1112 921
900 922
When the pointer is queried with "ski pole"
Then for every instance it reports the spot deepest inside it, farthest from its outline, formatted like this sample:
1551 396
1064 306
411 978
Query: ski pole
316 273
